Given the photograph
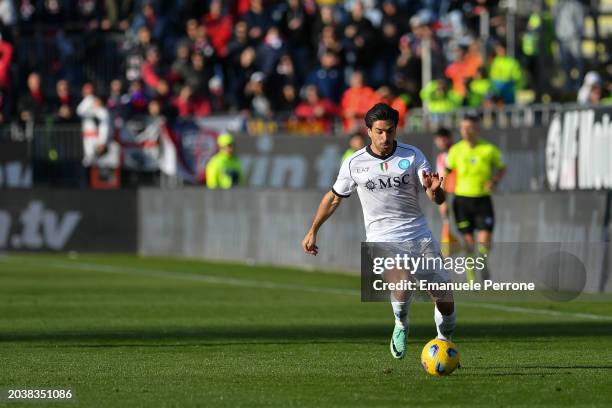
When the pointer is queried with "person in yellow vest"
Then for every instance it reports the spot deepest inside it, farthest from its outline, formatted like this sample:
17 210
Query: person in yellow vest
505 74
224 169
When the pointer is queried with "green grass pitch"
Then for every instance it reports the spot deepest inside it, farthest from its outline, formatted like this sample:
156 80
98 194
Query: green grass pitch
126 331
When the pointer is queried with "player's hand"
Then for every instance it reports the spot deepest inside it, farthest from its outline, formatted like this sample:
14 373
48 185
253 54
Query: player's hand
309 244
432 181
490 186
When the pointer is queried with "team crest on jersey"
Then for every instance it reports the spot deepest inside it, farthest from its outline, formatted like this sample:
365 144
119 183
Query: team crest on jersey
404 164
370 185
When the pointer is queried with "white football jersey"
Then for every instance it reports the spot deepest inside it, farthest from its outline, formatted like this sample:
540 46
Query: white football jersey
388 188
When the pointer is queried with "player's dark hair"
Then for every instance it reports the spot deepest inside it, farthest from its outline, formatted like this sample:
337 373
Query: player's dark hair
443 132
381 111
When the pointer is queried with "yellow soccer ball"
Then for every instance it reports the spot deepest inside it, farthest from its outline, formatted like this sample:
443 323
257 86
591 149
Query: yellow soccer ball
440 357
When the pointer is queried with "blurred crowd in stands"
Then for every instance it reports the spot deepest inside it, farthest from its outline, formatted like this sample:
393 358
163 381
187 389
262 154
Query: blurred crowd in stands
308 61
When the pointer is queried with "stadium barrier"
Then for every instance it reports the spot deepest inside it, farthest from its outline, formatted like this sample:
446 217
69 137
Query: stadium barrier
267 226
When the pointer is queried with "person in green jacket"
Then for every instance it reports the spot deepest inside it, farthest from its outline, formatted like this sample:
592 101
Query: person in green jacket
356 142
224 169
505 74
480 90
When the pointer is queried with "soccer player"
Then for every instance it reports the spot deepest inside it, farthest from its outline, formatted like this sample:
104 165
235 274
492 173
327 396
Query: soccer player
479 168
387 176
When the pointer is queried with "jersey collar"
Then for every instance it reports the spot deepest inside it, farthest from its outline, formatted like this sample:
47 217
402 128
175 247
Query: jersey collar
378 156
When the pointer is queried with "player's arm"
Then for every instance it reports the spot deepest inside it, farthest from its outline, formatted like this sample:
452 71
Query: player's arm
343 187
433 187
328 205
500 167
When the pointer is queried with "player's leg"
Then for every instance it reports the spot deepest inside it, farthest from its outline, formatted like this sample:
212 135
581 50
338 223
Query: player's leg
484 222
445 316
400 303
444 303
464 219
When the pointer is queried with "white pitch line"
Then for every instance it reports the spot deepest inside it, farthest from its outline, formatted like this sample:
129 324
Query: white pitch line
546 312
259 284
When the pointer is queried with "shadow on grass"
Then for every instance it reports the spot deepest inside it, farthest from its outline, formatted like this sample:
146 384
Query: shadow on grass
466 333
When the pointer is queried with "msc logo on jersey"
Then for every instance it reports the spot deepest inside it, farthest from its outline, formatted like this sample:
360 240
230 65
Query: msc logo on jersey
404 164
388 182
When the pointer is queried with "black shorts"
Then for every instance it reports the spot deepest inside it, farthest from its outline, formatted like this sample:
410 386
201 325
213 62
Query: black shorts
473 213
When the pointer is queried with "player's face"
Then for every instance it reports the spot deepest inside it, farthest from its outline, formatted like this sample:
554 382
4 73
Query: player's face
382 134
469 130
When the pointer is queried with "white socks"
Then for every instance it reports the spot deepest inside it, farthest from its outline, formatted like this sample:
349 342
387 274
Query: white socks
444 324
400 311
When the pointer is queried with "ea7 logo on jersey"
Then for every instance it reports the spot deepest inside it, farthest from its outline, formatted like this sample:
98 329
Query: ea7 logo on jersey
387 182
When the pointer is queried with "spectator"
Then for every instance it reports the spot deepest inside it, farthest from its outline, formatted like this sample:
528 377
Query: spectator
198 74
356 101
313 109
258 21
392 28
480 90
270 51
239 42
189 104
6 59
191 32
328 78
202 44
135 53
216 94
329 42
295 26
138 99
152 70
117 102
325 18
219 27
153 20
360 38
287 100
285 72
438 98
460 71
356 142
422 31
32 104
182 64
399 103
96 126
240 77
505 74
258 102
569 24
63 105
8 14
224 169
591 80
408 69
